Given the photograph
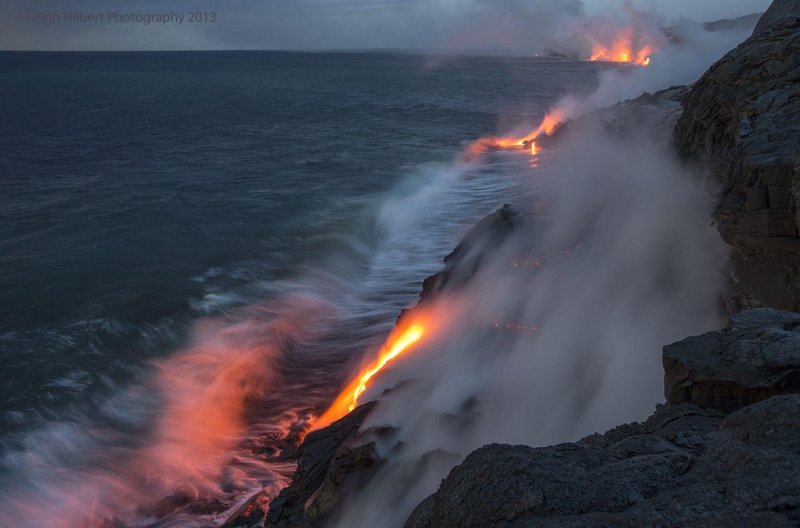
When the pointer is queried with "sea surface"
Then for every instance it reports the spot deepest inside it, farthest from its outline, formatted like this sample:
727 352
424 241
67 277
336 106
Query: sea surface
196 249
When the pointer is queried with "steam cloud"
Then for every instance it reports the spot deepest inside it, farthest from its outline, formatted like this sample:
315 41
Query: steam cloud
629 263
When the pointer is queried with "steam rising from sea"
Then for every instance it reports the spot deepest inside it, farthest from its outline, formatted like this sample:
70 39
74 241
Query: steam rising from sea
621 260
629 263
247 379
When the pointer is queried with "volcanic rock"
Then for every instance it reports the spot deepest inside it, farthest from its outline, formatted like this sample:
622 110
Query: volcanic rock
474 250
649 116
684 467
777 14
580 483
755 357
329 462
741 122
745 22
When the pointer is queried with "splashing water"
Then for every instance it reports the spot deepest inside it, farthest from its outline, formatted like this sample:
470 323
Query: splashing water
248 383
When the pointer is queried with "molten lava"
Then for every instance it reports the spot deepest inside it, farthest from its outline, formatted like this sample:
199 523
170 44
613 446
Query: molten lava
399 342
409 337
526 142
623 49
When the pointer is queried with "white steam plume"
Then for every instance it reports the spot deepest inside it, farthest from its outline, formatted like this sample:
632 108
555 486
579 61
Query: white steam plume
629 263
681 61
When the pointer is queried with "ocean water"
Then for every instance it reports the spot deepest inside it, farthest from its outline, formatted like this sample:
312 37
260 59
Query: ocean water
196 249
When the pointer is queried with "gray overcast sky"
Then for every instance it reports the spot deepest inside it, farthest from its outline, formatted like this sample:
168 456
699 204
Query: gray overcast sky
441 25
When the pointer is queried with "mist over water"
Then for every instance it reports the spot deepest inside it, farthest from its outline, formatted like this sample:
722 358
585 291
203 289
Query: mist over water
180 306
172 325
561 335
204 416
621 260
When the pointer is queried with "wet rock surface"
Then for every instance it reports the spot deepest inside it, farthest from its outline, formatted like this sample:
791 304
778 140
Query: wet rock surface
329 461
741 121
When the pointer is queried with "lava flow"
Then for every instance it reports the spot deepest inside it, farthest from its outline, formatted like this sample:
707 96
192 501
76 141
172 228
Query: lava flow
625 47
526 142
399 342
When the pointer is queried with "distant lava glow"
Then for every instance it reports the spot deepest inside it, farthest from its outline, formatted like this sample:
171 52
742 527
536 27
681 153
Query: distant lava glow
400 341
623 49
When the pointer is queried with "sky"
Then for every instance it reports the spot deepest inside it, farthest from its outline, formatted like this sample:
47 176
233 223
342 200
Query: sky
447 26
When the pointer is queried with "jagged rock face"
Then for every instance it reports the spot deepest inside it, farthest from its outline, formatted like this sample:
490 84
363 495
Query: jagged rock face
475 249
327 460
757 356
330 462
742 119
743 474
778 12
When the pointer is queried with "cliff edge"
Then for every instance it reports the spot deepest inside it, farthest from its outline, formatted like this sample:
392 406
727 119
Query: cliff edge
741 124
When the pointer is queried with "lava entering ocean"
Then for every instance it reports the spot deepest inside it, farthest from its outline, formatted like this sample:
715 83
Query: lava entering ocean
526 142
623 49
400 341
608 42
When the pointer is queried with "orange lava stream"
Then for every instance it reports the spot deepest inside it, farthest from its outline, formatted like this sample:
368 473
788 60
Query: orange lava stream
409 337
527 142
623 49
398 342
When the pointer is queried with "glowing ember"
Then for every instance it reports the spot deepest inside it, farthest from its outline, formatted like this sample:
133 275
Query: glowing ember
623 49
398 343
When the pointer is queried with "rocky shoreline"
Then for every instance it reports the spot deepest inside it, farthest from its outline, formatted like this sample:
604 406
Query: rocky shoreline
724 448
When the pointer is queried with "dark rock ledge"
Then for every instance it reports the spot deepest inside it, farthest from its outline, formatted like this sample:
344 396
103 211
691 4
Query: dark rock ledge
690 464
755 357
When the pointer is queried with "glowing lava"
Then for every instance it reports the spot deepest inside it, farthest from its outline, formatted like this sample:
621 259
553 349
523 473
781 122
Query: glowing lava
623 49
526 142
398 342
409 337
